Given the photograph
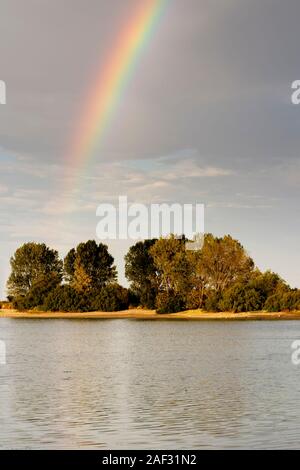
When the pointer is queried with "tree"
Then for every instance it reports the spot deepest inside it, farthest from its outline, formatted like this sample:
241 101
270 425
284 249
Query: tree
198 292
221 262
111 298
30 263
267 283
173 265
241 297
69 265
89 266
141 272
81 280
169 302
40 289
283 300
260 291
66 299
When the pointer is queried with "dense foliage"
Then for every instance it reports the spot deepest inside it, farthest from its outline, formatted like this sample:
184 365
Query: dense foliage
66 299
219 277
169 302
85 281
111 298
140 270
162 273
89 266
31 262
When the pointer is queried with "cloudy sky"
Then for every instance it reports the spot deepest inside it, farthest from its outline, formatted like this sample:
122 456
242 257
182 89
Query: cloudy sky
207 117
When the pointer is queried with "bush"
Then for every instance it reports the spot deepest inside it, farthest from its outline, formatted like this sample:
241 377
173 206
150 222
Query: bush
212 301
277 301
273 303
169 302
111 298
241 298
253 301
133 299
267 284
291 300
38 292
66 299
148 297
195 299
41 288
262 291
20 302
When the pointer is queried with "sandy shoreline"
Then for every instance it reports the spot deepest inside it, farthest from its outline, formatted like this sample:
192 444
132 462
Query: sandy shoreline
139 314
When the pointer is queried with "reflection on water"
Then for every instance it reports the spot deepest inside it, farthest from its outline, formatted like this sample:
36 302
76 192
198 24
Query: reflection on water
141 384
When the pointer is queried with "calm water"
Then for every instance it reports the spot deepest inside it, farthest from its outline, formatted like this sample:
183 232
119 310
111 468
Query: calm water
141 384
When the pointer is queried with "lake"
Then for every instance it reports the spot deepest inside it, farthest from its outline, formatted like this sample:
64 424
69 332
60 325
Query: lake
149 384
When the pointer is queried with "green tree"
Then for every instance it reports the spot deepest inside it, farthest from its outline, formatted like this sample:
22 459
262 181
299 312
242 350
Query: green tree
111 298
40 289
89 266
282 300
198 291
65 298
267 283
241 297
221 262
69 265
260 291
169 302
30 263
81 280
141 272
173 265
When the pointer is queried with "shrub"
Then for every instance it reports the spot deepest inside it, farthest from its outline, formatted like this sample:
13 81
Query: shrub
20 302
291 300
169 302
195 299
41 288
111 298
267 284
273 303
262 291
212 301
66 299
38 292
133 299
253 300
148 296
241 298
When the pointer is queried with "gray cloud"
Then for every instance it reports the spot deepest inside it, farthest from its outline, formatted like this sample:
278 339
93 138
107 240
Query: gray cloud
206 117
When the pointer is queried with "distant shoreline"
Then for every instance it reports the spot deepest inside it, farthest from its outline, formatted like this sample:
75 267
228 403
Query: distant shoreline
139 314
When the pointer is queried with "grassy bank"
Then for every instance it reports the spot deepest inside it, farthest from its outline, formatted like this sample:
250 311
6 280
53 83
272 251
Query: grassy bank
139 314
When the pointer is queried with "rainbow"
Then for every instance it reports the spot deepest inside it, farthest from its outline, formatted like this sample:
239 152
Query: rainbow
111 81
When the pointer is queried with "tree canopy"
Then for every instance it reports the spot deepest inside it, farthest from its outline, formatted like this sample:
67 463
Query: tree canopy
222 261
31 262
141 271
163 274
89 265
